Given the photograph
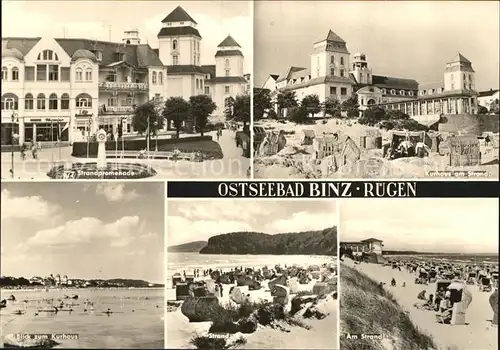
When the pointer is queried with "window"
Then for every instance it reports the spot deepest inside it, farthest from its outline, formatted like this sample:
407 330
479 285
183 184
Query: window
197 84
41 72
111 101
15 74
98 55
53 101
470 86
452 86
207 90
228 72
410 93
53 72
465 78
111 77
332 72
332 59
341 61
333 90
154 78
465 85
175 60
343 91
174 45
5 73
194 59
88 74
47 55
452 77
65 73
64 101
28 102
384 91
393 92
341 72
40 102
79 74
226 89
227 63
402 92
9 102
83 101
160 78
29 73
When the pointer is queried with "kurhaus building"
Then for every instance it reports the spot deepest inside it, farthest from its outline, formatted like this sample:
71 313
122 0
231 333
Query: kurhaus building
67 89
332 74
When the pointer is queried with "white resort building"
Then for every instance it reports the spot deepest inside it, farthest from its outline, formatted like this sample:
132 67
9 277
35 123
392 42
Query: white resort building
66 89
334 74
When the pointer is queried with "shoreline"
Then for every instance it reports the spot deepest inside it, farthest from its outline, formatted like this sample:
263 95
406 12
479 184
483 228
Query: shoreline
48 289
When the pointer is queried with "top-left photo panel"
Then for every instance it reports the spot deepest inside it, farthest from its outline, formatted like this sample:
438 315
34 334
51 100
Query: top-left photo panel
126 90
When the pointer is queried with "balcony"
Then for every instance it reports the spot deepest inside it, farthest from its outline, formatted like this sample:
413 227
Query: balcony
113 86
103 110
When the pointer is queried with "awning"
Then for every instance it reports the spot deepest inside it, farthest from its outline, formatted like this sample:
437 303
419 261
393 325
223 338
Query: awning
430 120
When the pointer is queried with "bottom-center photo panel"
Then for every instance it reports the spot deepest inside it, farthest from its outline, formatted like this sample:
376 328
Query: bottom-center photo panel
252 274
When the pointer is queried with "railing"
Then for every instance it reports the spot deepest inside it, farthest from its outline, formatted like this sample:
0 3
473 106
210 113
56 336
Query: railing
123 86
115 109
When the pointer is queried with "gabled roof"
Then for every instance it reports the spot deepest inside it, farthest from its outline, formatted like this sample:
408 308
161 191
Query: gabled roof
490 92
460 58
228 42
178 15
332 36
286 75
274 76
140 56
371 240
177 31
209 69
394 83
185 69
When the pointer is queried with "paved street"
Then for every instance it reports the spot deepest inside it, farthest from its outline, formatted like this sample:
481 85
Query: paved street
232 166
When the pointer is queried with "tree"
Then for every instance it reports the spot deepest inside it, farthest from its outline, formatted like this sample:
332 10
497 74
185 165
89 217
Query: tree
311 104
286 99
201 106
176 109
146 120
372 116
392 114
228 108
261 102
298 114
331 106
495 106
482 110
351 106
241 110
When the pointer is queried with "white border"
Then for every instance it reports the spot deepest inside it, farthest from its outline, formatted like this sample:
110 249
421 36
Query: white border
165 262
252 77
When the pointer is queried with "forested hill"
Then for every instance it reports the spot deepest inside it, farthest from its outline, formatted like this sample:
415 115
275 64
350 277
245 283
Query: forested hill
323 242
191 247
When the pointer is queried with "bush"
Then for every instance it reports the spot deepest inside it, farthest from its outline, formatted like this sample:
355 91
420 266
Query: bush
271 114
298 115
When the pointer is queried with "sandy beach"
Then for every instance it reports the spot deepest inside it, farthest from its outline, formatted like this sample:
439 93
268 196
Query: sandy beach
478 333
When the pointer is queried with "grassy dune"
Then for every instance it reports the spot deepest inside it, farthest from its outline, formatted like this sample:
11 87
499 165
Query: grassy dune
366 308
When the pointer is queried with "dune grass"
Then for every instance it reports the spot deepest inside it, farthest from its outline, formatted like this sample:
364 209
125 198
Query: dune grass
366 308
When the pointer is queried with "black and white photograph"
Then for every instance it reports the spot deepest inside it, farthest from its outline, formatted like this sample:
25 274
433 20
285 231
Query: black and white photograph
126 90
370 89
252 274
82 265
424 278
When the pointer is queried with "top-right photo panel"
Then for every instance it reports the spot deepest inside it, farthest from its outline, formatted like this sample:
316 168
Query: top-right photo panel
366 90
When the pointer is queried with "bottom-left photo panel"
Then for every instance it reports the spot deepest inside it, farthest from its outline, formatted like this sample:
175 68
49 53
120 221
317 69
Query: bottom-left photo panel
82 265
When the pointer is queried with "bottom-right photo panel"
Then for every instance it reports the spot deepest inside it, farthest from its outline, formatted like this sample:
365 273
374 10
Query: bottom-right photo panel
418 274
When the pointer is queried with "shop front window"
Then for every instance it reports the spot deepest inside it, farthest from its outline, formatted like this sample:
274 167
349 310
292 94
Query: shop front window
49 132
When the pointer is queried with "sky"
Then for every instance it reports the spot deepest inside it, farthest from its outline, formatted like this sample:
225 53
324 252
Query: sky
92 19
424 225
400 39
89 231
199 220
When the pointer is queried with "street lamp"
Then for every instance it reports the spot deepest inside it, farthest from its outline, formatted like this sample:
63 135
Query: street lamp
13 119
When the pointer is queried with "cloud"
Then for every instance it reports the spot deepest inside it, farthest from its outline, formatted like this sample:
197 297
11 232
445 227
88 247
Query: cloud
88 230
302 221
32 207
114 192
222 210
148 235
182 230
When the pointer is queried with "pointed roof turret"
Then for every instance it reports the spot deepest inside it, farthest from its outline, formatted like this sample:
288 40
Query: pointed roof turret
460 58
229 42
334 37
178 15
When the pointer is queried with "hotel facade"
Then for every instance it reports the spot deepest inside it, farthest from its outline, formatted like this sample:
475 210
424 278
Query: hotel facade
67 89
334 74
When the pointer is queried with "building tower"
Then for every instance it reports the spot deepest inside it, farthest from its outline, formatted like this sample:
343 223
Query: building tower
131 37
179 40
330 57
459 74
229 59
360 70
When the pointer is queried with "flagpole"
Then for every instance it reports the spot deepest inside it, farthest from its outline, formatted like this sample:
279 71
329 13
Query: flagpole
60 138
